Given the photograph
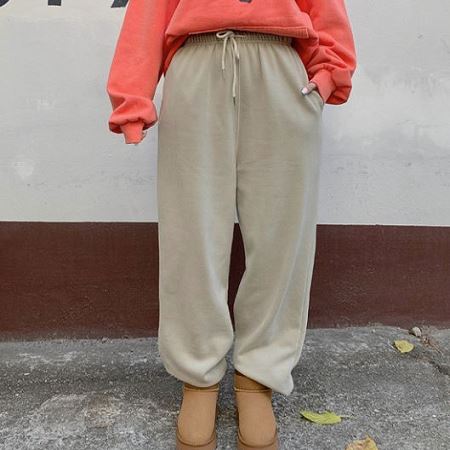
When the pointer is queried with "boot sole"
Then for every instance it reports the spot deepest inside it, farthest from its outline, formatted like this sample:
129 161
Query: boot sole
274 445
210 445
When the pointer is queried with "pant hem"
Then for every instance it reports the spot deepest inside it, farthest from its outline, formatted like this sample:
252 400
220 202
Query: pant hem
188 379
255 376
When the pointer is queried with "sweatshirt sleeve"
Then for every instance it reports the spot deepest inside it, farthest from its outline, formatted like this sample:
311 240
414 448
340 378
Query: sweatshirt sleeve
331 63
136 67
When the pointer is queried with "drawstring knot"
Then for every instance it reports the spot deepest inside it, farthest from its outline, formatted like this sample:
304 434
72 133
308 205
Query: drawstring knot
225 35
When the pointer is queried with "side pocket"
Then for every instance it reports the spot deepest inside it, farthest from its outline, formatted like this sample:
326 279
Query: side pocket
174 58
166 91
304 76
316 93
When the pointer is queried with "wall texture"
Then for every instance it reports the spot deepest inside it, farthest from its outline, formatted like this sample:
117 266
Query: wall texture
386 157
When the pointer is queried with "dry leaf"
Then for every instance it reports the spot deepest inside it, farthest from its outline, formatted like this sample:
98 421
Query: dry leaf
365 444
430 342
403 346
416 331
324 418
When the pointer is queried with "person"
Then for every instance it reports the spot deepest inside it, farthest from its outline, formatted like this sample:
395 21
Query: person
239 135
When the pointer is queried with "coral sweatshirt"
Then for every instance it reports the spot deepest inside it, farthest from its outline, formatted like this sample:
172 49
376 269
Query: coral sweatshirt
153 30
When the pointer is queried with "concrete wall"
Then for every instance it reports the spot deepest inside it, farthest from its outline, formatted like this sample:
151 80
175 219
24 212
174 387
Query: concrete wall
386 156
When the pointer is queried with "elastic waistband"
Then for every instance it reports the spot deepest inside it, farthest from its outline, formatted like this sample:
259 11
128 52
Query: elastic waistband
210 37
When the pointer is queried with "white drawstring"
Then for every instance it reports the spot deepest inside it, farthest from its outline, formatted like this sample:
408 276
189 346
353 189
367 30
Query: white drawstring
225 35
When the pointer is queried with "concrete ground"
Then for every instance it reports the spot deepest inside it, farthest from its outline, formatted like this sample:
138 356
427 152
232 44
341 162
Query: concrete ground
115 394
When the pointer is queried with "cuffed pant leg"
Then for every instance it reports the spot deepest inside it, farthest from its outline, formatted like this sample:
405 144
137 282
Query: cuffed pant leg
196 210
277 188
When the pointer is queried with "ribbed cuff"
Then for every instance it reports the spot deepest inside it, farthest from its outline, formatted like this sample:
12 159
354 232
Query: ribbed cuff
132 131
324 82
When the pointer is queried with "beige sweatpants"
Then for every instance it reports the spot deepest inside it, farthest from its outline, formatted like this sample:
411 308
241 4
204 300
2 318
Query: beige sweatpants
236 135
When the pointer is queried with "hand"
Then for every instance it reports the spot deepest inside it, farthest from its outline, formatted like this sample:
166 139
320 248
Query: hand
144 132
309 88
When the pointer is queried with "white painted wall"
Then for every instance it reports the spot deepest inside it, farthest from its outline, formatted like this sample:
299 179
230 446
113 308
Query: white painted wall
386 153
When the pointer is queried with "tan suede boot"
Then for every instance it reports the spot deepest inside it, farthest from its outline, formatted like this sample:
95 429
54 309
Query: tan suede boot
196 424
257 427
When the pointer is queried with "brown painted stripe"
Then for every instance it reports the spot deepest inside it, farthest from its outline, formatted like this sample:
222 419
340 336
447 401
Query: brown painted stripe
85 279
393 275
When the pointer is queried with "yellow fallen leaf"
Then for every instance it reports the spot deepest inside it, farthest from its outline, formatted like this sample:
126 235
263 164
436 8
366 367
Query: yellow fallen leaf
364 444
324 418
403 346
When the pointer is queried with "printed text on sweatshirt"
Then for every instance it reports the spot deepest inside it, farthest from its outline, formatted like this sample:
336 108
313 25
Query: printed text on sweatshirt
153 30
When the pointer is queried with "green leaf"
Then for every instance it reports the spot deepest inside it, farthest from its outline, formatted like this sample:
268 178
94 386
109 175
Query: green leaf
324 418
403 346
